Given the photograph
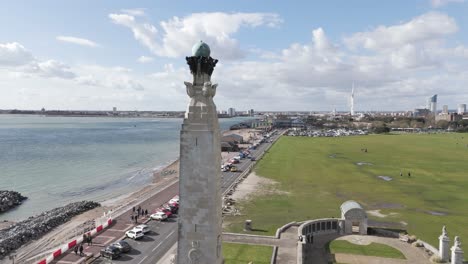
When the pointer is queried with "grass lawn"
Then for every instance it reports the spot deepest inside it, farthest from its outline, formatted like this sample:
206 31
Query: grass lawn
373 249
319 174
243 253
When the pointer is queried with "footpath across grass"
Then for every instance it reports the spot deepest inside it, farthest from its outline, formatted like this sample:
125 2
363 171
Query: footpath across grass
373 249
316 175
243 253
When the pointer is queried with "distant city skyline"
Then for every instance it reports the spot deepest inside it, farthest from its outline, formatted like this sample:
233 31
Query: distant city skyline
91 55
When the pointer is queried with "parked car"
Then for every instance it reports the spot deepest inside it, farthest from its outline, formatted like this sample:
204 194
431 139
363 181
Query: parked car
143 228
253 158
123 245
110 252
233 169
171 207
166 211
161 216
134 234
175 199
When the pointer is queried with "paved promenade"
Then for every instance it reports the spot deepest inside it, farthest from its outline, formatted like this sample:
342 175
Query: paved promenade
121 224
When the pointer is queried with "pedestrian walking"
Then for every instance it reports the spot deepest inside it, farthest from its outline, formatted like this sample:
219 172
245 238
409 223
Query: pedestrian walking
90 240
81 249
131 217
136 219
134 209
146 212
76 249
401 174
409 174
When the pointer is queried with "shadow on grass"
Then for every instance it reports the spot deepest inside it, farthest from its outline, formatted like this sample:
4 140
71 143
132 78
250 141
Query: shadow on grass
259 230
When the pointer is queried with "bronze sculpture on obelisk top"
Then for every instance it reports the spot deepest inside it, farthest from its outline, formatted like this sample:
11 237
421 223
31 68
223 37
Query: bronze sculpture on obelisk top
200 216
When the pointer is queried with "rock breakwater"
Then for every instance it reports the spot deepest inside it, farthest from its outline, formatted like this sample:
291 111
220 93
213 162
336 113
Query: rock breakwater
10 199
36 226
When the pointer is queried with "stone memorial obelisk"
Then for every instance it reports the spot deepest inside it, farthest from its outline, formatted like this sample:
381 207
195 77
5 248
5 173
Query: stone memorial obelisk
200 160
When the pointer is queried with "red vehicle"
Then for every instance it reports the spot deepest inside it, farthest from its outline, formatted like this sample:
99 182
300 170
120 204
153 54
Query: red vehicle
166 211
233 161
173 208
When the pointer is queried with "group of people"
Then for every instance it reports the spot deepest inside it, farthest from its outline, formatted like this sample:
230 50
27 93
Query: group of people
137 212
87 238
401 174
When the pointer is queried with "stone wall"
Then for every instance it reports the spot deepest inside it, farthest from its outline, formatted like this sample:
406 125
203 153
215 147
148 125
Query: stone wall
36 226
10 199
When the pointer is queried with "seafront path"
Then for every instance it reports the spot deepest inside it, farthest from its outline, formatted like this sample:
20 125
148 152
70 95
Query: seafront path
122 224
163 235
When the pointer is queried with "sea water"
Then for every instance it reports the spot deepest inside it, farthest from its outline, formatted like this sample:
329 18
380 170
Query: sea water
57 160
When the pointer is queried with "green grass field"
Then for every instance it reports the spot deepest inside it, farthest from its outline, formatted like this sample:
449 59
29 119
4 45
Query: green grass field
373 249
242 254
321 173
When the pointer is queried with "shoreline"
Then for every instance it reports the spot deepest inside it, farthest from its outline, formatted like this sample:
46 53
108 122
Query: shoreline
73 228
68 230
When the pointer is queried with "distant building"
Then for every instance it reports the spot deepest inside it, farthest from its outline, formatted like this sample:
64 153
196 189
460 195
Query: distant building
251 112
232 112
448 117
461 109
445 109
114 109
229 146
234 138
282 122
421 112
433 103
298 123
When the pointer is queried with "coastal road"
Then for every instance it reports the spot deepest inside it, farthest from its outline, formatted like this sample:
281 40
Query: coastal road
163 235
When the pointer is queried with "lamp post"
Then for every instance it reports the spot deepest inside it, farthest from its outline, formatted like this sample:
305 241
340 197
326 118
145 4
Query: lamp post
12 257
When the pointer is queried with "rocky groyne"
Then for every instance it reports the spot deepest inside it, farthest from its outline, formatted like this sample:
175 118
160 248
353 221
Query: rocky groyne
10 199
36 226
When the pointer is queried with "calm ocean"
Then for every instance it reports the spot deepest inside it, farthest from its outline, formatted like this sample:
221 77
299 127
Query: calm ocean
57 160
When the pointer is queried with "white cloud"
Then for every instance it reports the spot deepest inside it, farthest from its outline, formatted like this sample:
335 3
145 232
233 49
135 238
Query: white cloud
134 11
50 69
179 34
417 61
145 59
427 27
108 77
78 41
14 54
440 3
15 58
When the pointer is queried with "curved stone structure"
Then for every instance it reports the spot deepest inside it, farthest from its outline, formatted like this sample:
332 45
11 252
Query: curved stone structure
354 215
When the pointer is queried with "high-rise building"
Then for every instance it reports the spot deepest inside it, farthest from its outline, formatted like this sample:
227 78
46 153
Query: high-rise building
433 103
232 112
352 100
461 109
445 109
251 112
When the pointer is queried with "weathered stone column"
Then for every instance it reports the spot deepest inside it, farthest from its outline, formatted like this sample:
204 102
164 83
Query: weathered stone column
200 175
444 245
457 252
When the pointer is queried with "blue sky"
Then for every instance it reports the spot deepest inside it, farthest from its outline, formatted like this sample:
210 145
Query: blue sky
274 55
